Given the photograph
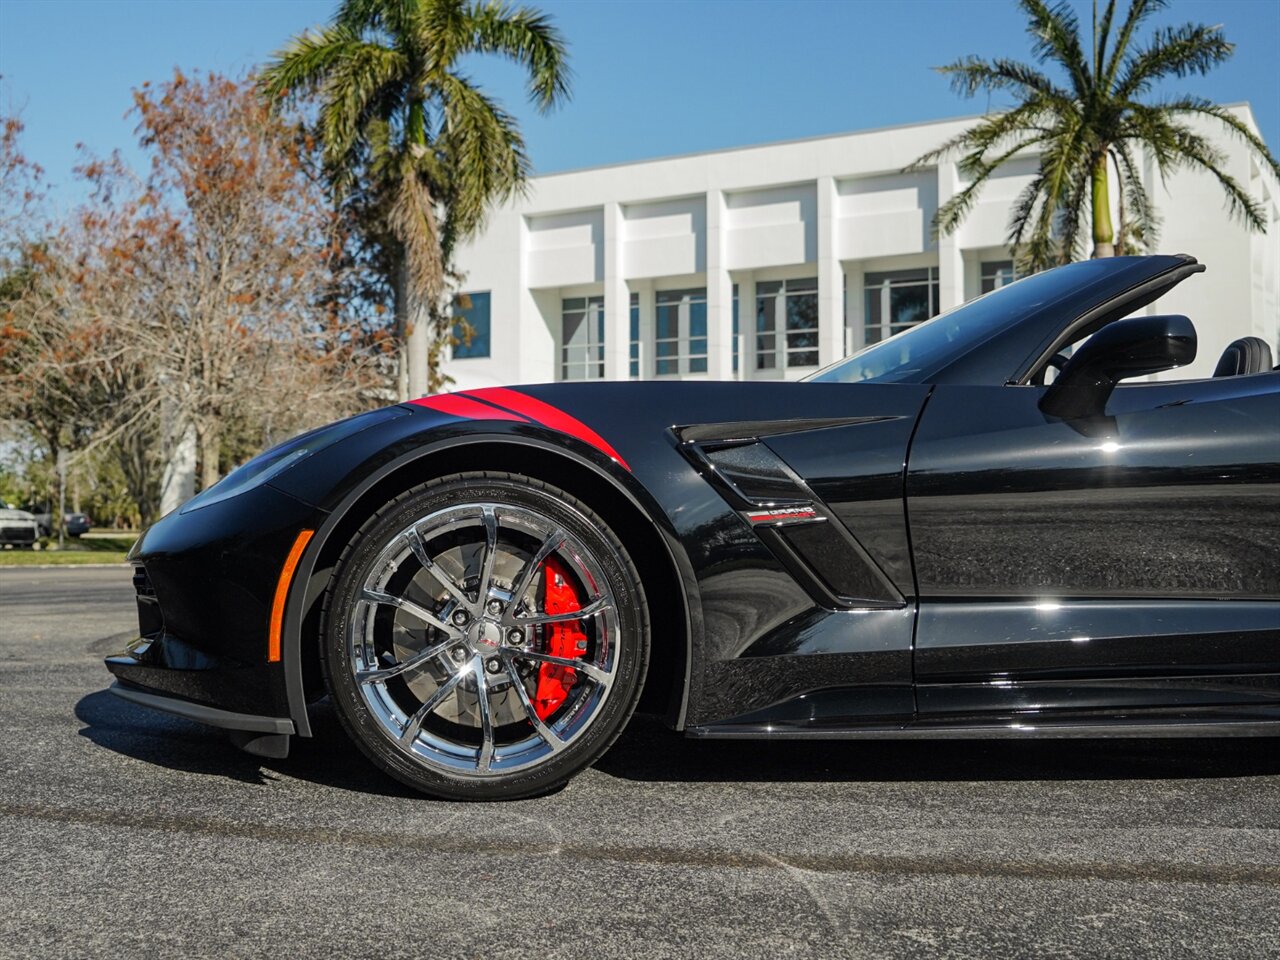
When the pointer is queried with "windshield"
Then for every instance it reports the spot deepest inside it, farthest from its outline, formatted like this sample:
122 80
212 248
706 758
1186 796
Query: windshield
917 352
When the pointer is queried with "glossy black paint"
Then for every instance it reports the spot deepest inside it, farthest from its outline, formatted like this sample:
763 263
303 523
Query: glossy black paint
213 573
962 542
1176 494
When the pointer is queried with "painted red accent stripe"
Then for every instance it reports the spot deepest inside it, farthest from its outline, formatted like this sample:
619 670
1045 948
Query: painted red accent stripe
460 405
548 416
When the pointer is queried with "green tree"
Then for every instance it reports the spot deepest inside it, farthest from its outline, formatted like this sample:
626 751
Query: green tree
1094 123
427 150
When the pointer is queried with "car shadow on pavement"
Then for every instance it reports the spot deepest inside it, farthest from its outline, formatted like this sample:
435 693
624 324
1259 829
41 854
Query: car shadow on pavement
648 751
158 738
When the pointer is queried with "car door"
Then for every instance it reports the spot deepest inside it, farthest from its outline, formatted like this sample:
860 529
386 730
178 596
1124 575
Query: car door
1129 563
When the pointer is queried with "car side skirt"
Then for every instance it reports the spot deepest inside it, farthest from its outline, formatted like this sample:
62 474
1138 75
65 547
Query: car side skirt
1008 730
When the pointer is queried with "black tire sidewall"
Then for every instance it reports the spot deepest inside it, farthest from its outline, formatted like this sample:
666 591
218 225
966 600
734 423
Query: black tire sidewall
583 525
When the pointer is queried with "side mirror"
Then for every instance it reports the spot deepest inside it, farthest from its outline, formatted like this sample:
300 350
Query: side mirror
1126 348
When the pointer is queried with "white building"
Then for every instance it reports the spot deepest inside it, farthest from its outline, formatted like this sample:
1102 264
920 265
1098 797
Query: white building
770 261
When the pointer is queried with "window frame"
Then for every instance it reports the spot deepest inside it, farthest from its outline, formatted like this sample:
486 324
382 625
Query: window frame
782 292
687 362
887 282
592 308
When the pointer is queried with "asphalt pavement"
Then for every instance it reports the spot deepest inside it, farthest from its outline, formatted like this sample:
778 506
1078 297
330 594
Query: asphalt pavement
125 832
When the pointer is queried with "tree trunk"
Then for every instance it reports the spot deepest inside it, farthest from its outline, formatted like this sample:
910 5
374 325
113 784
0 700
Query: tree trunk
210 447
178 477
1104 235
400 293
418 347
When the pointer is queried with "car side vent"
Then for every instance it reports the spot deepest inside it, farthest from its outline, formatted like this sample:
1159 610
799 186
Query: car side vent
756 474
810 542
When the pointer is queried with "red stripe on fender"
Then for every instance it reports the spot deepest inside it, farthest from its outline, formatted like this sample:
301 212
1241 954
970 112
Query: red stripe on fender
548 416
459 405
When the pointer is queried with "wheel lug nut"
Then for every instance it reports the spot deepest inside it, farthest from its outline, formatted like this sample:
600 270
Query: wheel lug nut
494 607
515 636
460 618
458 654
492 665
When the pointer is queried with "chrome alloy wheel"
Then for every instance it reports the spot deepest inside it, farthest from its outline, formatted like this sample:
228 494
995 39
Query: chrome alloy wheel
448 639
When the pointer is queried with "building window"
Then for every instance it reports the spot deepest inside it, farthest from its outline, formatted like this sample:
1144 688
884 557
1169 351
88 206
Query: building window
582 343
736 334
635 336
786 324
996 274
680 332
899 299
471 325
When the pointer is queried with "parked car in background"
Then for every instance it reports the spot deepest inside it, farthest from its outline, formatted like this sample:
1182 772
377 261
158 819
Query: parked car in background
18 527
77 523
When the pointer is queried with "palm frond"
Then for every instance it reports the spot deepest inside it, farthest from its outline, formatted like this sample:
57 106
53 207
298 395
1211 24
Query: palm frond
1174 52
968 75
1055 34
1062 162
366 73
1073 217
1235 126
1100 43
1139 11
485 153
991 132
527 37
414 221
440 31
979 169
304 63
391 17
1193 150
1142 222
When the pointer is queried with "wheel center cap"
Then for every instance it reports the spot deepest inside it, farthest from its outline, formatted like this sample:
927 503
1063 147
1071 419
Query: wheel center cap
485 633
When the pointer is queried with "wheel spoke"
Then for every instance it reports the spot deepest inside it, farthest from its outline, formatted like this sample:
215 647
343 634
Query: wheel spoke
419 549
485 757
471 610
552 739
602 677
592 609
419 659
411 608
553 541
490 519
411 728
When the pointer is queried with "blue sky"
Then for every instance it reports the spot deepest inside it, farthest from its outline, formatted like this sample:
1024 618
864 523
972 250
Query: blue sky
652 77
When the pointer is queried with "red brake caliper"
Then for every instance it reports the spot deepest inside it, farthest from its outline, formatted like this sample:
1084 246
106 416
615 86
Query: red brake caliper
563 639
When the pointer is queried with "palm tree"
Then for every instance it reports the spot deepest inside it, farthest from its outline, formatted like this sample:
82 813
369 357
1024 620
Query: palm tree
1096 121
400 122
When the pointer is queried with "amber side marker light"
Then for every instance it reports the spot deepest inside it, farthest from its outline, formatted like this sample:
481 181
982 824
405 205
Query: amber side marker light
282 594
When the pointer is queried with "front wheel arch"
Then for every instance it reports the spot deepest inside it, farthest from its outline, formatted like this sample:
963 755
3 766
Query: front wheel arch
665 686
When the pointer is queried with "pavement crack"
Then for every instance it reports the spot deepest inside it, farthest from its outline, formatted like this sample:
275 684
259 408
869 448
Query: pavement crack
823 863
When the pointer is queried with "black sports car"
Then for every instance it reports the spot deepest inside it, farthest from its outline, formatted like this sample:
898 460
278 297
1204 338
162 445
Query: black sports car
968 530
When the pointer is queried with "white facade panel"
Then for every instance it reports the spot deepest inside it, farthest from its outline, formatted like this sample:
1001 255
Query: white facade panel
665 239
566 248
771 227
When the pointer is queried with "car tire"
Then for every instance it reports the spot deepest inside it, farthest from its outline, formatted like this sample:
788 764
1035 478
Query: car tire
444 608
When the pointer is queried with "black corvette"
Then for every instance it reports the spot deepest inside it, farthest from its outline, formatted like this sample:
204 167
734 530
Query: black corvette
972 529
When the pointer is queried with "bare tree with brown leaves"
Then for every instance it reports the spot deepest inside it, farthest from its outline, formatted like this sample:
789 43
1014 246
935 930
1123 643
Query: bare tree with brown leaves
209 294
